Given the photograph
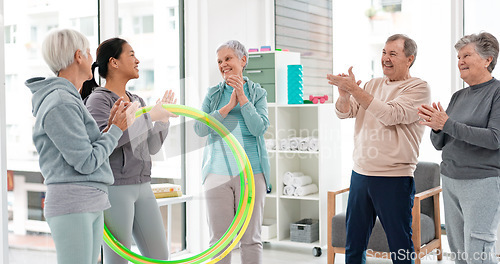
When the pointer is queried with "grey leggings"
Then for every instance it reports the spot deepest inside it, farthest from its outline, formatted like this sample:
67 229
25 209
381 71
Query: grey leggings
77 237
134 211
222 202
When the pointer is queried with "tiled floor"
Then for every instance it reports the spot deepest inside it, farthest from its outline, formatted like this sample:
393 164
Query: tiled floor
40 249
277 254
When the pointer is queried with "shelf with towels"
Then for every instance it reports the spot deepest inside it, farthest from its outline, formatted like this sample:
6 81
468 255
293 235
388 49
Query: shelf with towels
316 122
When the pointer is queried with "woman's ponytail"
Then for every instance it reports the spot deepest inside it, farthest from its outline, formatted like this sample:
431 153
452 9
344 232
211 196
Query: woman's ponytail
89 85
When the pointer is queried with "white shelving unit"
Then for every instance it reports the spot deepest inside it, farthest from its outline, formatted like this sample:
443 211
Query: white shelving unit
310 120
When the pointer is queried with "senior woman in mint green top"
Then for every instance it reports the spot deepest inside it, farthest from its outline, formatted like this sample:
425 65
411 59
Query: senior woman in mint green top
468 133
241 106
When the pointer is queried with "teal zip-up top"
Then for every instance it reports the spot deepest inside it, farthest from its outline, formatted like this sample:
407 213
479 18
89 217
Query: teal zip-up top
256 119
72 149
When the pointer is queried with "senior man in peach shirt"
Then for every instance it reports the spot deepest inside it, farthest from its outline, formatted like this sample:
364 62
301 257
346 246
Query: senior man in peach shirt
387 136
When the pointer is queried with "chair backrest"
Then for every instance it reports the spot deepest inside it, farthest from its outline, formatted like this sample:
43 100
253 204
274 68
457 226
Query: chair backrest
427 177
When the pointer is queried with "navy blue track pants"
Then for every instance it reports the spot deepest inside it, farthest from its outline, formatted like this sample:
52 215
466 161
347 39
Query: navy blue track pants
389 198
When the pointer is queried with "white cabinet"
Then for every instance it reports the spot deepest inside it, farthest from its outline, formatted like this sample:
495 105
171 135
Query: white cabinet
310 120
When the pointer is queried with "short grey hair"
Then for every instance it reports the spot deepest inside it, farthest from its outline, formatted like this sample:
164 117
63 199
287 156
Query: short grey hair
59 47
238 48
410 46
485 44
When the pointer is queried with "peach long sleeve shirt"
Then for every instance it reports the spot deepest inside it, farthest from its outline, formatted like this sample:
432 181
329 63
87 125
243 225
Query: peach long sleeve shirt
387 134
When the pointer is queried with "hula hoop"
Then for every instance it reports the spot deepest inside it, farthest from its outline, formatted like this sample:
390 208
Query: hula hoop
245 206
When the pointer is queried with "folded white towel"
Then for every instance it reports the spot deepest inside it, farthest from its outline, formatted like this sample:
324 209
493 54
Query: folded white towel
270 144
306 190
289 190
313 144
284 144
301 181
294 143
304 144
288 177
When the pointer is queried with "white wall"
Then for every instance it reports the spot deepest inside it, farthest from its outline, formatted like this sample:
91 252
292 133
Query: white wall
4 242
209 23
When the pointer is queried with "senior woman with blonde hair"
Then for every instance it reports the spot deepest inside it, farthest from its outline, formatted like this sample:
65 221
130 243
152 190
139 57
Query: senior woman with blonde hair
241 106
73 151
468 133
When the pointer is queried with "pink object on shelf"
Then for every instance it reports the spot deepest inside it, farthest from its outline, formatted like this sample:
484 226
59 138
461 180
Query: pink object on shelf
265 48
316 99
253 50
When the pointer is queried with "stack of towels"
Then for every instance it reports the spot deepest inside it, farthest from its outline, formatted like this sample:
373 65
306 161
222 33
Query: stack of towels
270 144
299 144
298 184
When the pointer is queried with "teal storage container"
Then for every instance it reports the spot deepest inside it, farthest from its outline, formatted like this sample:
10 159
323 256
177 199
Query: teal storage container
295 79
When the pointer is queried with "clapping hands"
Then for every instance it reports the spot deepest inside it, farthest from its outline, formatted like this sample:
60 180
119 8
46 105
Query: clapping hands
237 83
433 116
345 82
122 114
158 113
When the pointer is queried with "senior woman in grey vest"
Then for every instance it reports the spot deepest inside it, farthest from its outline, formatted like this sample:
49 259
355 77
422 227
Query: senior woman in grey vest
468 133
241 106
73 151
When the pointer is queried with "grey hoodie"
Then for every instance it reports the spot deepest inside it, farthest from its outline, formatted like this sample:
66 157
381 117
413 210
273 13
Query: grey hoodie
131 160
70 145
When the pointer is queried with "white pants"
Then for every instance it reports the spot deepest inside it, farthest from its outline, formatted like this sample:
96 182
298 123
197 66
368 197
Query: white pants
222 194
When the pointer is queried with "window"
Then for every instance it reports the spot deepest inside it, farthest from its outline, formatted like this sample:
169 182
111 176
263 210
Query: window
143 24
172 18
477 19
144 83
391 5
84 25
147 26
87 26
34 33
10 80
28 22
10 34
120 26
360 45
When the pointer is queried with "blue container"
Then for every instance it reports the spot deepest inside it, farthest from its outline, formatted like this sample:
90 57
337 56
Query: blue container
295 84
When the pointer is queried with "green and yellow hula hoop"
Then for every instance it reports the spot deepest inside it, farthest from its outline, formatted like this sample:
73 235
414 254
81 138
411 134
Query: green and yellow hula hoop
245 207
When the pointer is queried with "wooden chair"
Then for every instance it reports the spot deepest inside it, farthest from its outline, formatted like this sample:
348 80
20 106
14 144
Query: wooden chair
426 223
